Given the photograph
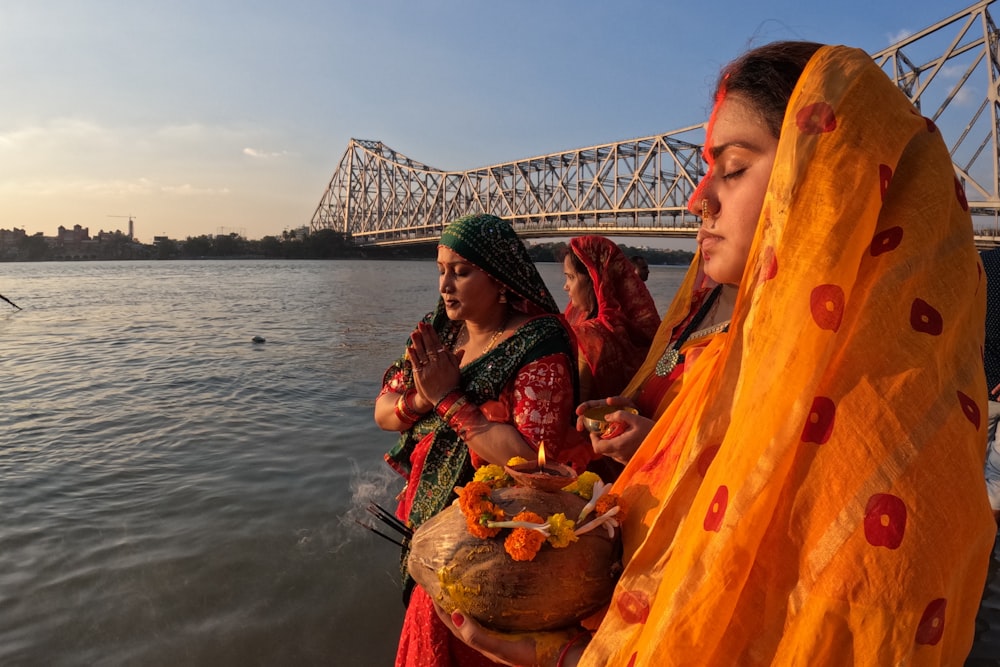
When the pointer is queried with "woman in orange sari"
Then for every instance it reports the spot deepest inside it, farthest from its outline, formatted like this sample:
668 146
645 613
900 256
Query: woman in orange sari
814 493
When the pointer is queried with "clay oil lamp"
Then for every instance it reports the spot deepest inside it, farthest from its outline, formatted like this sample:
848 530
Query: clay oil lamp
542 475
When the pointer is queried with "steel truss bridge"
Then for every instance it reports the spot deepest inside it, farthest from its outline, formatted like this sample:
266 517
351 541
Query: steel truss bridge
640 187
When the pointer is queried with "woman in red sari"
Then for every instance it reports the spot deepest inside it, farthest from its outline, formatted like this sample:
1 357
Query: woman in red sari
612 314
488 375
698 313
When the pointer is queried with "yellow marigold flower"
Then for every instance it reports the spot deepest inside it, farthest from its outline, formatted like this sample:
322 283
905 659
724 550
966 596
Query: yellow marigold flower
493 475
523 543
561 531
584 485
606 502
517 460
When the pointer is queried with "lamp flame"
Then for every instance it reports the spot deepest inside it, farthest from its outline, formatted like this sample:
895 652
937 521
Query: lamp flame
541 455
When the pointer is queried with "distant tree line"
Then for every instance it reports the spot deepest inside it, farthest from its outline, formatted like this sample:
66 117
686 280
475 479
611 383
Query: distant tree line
321 244
556 250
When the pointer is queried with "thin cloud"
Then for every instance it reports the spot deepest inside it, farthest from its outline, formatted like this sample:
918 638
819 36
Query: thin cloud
188 190
263 155
900 36
967 96
110 188
57 132
79 187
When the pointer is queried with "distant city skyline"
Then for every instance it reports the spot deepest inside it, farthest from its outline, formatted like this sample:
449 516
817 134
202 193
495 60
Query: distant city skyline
193 117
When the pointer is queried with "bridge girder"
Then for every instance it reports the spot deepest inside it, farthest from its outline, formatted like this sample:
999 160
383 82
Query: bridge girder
640 187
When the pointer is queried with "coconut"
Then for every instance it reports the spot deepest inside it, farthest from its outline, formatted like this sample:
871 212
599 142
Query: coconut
477 577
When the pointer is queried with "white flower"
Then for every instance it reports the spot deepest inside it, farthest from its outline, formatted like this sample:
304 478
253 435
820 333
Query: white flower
542 528
600 488
607 519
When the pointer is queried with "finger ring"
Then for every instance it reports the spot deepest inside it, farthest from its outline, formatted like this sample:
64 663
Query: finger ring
440 350
421 363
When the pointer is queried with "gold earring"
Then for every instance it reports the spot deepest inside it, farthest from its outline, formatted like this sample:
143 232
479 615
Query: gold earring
503 296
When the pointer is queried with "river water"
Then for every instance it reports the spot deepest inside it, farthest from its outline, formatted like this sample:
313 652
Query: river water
174 493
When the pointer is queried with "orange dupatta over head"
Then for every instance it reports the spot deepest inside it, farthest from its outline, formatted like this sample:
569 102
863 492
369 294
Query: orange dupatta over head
815 493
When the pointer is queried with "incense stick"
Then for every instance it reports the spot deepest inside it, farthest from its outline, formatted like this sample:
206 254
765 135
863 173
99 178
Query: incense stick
380 533
390 520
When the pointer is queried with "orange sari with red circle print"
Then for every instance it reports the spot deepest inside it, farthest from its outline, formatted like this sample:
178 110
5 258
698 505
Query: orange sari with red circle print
814 494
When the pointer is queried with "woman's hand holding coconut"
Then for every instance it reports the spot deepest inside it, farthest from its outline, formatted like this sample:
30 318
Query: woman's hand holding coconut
525 649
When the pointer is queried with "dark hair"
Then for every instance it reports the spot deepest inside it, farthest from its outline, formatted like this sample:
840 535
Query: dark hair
766 77
581 268
577 263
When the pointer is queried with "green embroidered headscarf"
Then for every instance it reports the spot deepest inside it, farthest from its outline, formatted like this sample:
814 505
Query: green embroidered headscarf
492 245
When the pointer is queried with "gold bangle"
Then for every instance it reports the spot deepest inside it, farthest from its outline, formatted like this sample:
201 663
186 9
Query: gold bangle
454 407
443 406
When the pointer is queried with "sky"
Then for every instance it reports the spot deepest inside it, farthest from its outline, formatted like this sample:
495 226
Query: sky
216 116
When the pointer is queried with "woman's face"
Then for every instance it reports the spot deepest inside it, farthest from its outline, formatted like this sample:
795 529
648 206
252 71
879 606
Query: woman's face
469 293
578 286
740 151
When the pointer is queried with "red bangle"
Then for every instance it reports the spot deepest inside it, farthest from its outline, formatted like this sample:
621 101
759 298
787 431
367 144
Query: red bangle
568 646
449 403
405 412
408 397
464 417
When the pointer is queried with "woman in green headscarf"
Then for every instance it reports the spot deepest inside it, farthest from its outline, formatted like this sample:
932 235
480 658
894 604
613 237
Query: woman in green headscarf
488 375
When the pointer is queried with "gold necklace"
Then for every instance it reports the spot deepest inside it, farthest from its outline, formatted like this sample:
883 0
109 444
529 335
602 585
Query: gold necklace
494 337
707 331
673 355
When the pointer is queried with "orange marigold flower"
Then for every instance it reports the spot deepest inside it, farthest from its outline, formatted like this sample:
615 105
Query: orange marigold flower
523 543
606 502
529 516
477 523
472 495
473 490
478 509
